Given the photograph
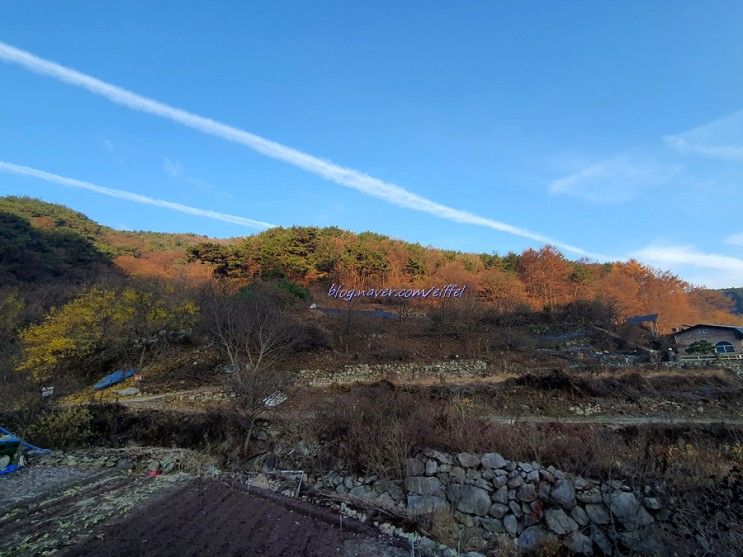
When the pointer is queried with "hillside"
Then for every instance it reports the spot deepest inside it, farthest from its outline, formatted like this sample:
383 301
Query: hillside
736 295
48 241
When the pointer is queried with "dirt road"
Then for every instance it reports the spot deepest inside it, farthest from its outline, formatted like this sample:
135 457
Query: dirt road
614 420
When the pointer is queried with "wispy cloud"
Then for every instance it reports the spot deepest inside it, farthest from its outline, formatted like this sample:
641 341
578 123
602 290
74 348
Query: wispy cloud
709 269
11 168
615 180
735 239
347 177
721 139
174 169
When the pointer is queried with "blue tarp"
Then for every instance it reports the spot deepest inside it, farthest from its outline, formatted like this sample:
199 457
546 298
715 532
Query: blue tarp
11 441
116 377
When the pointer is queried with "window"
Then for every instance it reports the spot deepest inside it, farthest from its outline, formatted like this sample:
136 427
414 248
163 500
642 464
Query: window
724 347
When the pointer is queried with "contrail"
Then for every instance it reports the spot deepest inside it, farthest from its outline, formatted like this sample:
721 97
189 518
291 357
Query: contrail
347 177
11 168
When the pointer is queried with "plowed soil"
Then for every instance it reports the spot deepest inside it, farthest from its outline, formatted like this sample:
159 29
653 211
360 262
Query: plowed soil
208 517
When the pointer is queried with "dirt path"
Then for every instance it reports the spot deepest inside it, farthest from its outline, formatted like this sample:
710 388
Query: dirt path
208 517
615 420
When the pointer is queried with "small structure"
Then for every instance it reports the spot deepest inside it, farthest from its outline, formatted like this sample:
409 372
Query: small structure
725 339
639 320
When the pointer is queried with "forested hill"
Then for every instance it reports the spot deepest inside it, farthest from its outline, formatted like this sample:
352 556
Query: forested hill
735 294
43 241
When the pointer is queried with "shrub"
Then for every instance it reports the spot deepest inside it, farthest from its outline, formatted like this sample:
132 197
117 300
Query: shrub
63 428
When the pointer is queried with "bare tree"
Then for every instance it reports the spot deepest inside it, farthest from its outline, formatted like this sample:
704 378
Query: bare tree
255 336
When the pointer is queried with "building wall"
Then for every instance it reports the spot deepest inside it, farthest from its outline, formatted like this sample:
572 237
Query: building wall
710 334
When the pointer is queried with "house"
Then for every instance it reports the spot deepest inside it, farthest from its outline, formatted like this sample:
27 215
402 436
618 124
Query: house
726 339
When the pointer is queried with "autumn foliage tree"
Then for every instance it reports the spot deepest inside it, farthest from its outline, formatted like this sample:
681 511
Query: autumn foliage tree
102 326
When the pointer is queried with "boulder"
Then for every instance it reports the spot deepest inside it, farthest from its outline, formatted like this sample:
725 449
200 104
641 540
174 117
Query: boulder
532 538
580 516
440 457
492 525
590 496
498 510
625 506
601 540
580 544
432 467
527 493
469 499
424 485
511 524
563 494
414 467
501 495
559 522
597 513
425 504
468 460
493 460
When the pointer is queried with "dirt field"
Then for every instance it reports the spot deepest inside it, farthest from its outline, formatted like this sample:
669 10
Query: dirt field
107 513
208 517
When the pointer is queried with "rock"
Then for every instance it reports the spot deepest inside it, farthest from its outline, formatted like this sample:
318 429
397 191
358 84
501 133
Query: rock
501 495
580 544
581 483
4 461
590 496
498 481
532 476
652 504
516 481
498 510
600 538
349 482
563 494
482 484
580 516
153 466
644 518
559 522
493 460
625 506
515 508
511 524
432 467
440 457
360 491
457 474
492 525
532 538
125 464
546 476
425 504
525 466
469 499
543 491
425 486
390 487
468 460
129 391
597 513
414 467
527 493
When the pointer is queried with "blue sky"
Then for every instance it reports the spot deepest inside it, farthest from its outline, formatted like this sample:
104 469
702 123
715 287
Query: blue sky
612 129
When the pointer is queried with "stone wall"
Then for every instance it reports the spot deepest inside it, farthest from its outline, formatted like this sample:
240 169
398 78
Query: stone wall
492 496
365 373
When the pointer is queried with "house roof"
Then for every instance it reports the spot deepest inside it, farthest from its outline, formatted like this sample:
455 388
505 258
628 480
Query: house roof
737 330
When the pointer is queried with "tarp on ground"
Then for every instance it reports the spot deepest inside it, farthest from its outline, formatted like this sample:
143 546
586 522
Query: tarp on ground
9 445
113 378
